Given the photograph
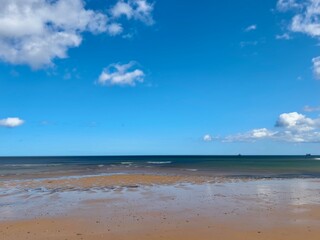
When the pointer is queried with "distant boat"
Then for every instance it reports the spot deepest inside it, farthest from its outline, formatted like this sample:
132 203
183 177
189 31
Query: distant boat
308 155
239 155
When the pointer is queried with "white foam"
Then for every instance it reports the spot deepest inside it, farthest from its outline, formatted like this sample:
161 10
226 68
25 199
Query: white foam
192 170
63 177
165 162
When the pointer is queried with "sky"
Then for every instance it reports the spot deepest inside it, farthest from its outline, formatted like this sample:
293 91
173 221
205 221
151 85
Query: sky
122 77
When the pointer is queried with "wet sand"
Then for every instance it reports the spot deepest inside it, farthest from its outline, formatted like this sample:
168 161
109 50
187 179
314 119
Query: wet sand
96 181
142 206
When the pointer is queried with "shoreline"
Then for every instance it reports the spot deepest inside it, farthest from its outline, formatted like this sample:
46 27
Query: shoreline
153 170
211 166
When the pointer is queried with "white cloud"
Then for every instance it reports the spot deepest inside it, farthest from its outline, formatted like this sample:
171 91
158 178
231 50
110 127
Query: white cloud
316 67
296 121
134 9
251 28
306 20
122 8
284 36
284 5
290 127
207 138
253 135
299 137
117 74
296 127
11 122
306 16
210 138
311 109
35 32
114 29
261 133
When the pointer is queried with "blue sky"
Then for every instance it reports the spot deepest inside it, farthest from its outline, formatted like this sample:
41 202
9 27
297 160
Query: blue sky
159 77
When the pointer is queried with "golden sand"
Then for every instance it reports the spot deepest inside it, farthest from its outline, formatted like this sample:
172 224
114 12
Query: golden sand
151 227
108 181
149 214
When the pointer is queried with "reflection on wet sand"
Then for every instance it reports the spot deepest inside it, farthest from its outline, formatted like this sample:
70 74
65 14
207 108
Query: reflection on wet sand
133 206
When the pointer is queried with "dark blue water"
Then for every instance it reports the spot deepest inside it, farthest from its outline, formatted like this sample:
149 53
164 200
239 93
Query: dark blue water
259 166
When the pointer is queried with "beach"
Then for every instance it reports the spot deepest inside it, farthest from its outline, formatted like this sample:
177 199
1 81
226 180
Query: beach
159 199
159 120
149 206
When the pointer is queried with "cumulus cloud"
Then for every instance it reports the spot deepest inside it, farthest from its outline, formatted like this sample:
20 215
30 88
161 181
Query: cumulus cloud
34 32
11 122
121 74
250 28
134 9
289 127
296 127
306 20
296 121
306 16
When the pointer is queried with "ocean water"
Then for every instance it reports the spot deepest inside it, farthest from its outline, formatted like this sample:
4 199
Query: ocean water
234 166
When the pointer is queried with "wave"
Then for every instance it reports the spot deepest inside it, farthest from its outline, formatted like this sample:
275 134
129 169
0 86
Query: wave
192 169
318 159
40 179
165 162
126 163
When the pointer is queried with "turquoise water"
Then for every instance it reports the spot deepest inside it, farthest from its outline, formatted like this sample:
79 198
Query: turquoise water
253 166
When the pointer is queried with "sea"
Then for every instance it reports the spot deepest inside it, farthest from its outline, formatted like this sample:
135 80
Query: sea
228 166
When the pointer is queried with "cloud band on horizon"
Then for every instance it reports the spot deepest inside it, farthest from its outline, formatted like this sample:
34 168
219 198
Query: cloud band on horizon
289 127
